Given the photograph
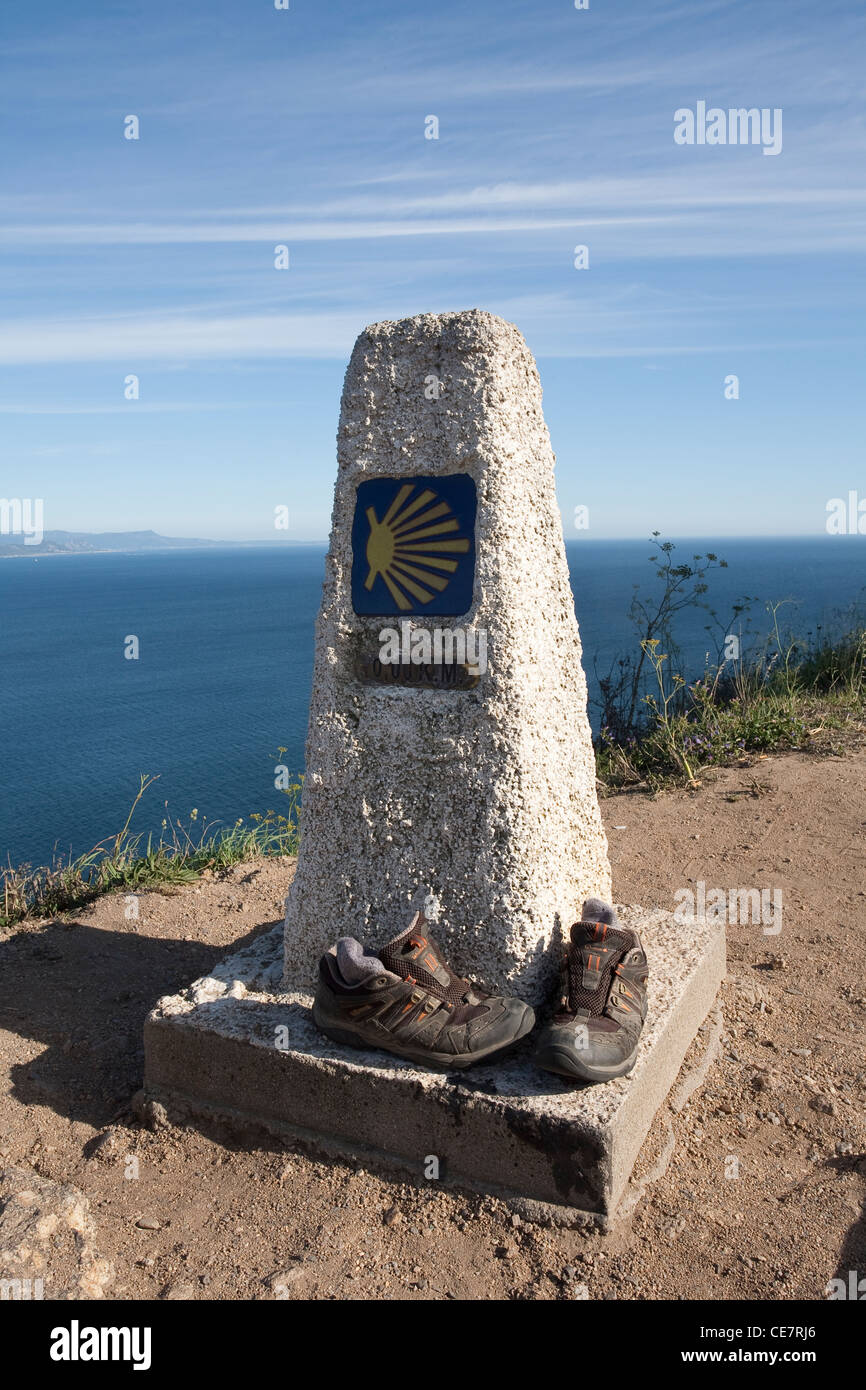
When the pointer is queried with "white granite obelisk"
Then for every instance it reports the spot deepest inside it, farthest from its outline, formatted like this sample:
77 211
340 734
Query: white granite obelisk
449 751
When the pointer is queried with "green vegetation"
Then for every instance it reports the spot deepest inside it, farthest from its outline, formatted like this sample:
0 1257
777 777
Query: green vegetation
658 729
129 862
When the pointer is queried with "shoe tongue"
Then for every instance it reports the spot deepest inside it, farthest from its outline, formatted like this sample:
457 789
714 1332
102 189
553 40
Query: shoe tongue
414 952
602 935
596 949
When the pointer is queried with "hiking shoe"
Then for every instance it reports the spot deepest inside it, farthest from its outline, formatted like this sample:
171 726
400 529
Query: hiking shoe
408 1001
594 1033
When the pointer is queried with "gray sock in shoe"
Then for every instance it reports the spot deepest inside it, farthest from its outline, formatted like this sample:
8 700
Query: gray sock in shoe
355 962
595 910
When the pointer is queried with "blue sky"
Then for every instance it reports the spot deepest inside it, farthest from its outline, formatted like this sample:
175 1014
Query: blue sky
306 127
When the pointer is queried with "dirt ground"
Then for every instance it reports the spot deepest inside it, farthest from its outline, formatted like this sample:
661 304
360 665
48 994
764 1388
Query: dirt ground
753 1189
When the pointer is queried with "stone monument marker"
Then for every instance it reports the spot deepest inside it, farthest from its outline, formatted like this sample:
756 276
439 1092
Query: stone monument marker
449 752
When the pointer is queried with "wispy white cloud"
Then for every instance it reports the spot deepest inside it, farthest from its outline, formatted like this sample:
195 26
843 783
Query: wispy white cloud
531 178
696 229
690 209
694 189
175 337
139 233
608 326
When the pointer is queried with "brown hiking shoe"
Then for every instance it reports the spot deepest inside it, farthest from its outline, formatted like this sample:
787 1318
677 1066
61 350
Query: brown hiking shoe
407 1000
595 1030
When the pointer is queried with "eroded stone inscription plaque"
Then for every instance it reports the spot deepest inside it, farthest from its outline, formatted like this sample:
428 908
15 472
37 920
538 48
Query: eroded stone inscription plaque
451 675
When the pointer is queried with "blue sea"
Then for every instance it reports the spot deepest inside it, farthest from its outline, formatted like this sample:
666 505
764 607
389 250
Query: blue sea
223 676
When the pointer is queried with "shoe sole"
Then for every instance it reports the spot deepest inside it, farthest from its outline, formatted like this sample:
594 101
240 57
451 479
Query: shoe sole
565 1063
435 1061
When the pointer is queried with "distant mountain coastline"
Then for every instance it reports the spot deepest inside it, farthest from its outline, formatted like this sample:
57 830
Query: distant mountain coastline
105 542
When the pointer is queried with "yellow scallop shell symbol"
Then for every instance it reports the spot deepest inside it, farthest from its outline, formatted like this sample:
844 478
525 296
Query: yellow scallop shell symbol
413 545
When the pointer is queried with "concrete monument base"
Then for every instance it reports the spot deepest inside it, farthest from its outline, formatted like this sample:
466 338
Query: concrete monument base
234 1048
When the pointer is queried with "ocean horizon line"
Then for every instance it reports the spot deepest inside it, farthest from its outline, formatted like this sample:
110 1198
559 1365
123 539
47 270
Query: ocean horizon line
225 543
